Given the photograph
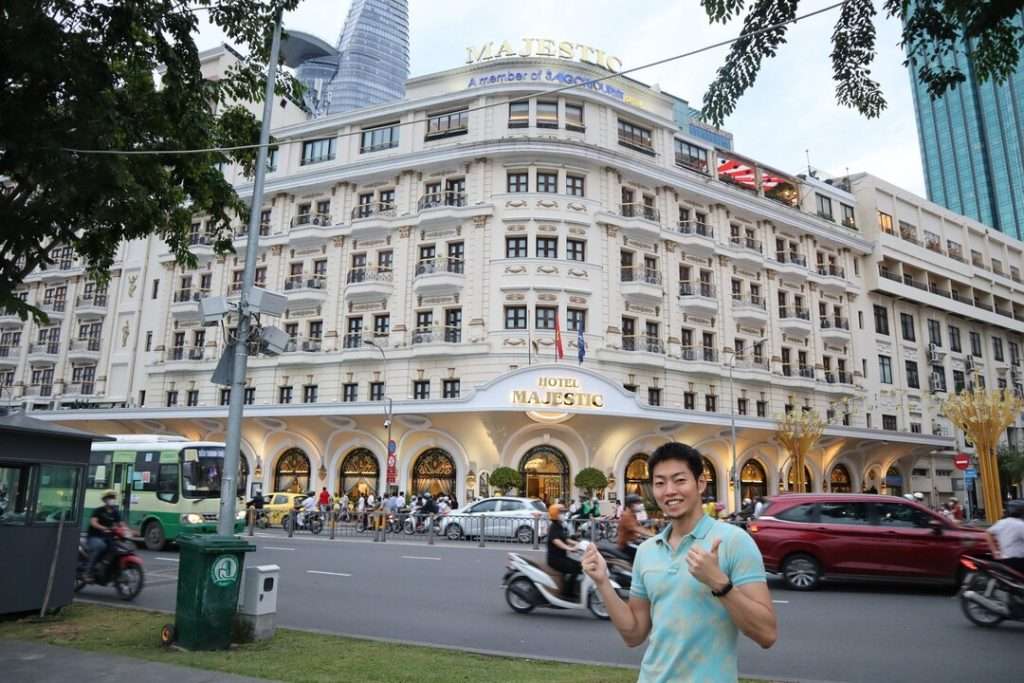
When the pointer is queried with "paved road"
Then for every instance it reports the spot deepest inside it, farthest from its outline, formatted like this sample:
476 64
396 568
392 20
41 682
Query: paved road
449 595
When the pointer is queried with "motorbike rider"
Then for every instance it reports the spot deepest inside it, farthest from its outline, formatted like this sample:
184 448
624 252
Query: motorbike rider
1006 537
558 545
309 505
102 523
630 531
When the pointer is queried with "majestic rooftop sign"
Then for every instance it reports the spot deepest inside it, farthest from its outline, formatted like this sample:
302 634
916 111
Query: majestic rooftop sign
542 47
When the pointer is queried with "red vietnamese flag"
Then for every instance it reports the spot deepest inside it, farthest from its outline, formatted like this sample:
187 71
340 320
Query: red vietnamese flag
559 353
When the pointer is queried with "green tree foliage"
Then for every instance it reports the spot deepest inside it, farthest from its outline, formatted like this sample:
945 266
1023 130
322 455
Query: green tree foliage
1011 466
83 74
505 478
933 31
590 479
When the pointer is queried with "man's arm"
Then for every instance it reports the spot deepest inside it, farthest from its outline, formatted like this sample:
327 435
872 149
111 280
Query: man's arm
749 605
993 543
631 619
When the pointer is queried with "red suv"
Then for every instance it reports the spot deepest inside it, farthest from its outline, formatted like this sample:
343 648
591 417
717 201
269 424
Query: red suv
810 537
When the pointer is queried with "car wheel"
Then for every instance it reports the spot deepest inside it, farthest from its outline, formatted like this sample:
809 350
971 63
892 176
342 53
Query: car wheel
516 593
524 534
801 572
453 532
153 536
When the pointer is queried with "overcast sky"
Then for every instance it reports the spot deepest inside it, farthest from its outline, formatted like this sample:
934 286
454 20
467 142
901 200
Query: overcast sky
788 114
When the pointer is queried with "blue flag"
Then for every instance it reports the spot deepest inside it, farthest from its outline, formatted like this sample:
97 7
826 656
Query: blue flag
581 344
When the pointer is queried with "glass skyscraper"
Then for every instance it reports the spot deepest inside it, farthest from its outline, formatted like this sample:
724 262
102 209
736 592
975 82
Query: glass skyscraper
972 147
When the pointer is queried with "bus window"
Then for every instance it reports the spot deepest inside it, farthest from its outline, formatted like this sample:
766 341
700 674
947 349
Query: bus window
201 471
58 493
147 467
167 483
99 471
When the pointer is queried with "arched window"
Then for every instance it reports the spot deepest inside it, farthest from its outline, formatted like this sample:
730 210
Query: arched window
637 480
243 475
360 473
434 471
753 480
893 482
711 476
839 480
292 472
871 483
791 479
545 473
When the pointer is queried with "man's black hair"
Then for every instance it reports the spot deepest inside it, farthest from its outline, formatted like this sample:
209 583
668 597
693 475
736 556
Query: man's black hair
673 450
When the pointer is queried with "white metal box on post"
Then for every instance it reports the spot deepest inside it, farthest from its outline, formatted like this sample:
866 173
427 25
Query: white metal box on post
257 602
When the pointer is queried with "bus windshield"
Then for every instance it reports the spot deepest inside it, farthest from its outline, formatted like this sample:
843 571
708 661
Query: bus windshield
201 470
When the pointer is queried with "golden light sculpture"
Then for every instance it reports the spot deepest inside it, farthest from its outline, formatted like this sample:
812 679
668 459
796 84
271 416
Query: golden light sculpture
982 415
799 431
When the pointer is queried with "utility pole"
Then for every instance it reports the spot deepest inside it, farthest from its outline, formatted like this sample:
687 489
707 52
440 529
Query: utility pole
228 488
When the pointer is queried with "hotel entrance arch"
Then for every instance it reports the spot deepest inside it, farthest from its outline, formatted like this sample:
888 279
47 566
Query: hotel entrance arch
434 472
292 472
753 480
360 473
545 473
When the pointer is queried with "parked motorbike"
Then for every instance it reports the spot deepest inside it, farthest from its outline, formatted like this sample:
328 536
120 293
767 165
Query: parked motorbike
421 524
531 584
305 521
992 592
119 566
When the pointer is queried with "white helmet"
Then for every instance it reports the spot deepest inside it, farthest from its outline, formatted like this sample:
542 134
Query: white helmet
918 496
909 496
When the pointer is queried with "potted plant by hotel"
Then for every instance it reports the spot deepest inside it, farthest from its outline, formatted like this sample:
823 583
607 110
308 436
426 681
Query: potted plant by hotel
505 479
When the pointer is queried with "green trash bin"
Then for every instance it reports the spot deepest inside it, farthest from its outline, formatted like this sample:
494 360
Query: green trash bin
209 575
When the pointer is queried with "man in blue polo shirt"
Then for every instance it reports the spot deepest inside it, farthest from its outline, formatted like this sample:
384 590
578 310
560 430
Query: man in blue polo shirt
696 584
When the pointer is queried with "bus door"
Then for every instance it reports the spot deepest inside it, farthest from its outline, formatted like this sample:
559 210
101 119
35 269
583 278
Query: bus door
122 484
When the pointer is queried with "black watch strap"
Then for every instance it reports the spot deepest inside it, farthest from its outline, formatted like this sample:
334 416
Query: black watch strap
725 590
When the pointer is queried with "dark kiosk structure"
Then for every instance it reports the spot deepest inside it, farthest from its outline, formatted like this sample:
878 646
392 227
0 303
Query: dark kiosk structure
42 480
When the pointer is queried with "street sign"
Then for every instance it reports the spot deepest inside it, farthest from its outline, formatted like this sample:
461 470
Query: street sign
392 446
962 461
970 473
392 468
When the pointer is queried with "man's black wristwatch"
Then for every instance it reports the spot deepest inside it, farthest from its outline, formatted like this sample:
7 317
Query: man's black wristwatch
725 590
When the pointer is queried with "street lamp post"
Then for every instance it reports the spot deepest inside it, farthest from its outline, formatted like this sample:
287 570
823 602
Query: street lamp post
732 423
388 403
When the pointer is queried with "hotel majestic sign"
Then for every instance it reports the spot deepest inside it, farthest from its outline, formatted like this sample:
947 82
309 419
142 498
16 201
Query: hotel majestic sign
543 47
557 392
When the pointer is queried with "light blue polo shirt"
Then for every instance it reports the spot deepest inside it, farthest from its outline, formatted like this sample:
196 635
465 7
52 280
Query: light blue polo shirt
692 637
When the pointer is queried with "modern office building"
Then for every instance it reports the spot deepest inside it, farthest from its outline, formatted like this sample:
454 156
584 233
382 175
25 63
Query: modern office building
972 146
369 65
436 250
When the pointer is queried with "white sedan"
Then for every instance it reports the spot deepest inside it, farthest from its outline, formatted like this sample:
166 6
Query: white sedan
508 518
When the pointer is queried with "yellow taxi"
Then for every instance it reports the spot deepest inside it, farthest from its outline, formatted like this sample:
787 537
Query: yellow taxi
277 505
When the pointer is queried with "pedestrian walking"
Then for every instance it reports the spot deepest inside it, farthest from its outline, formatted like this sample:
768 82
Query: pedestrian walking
696 586
324 500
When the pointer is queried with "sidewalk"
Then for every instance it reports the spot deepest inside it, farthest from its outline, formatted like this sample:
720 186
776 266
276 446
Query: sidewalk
36 662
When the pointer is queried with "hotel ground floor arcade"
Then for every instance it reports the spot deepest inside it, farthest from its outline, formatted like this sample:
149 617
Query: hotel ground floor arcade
547 421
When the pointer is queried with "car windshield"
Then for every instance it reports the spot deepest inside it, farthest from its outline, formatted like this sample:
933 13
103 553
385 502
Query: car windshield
201 471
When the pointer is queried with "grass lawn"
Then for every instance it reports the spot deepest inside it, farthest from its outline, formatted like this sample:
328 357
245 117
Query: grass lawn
293 655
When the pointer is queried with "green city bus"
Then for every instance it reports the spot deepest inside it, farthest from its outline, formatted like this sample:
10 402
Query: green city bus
166 486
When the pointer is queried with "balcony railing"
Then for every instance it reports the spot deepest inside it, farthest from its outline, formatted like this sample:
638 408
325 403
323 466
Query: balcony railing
786 312
182 296
317 219
8 351
830 270
692 163
838 377
642 342
835 324
56 306
352 340
243 230
755 363
80 389
696 228
888 274
705 289
641 142
384 209
198 239
369 274
754 300
96 299
433 200
639 274
48 348
640 210
983 306
440 264
304 344
791 258
86 344
39 390
305 281
700 353
936 289
437 334
748 243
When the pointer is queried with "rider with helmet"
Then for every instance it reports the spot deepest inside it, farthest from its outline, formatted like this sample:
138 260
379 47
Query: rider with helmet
630 531
558 546
102 523
1007 536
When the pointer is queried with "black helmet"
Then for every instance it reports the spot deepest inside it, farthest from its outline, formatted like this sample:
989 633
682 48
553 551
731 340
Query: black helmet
1015 508
633 499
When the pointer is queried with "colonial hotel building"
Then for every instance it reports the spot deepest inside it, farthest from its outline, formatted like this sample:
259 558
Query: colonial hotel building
456 242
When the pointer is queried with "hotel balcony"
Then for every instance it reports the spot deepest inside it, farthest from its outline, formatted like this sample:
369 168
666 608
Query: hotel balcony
440 275
701 359
831 278
642 349
436 208
795 321
369 283
839 377
698 298
54 310
310 229
696 238
641 285
795 373
299 347
39 391
746 250
45 351
790 266
92 306
749 310
372 220
641 220
201 244
306 289
835 329
241 236
9 319
60 270
85 349
435 334
9 355
185 303
79 390
184 353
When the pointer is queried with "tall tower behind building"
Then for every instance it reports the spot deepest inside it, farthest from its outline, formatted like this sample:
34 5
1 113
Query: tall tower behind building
972 146
374 62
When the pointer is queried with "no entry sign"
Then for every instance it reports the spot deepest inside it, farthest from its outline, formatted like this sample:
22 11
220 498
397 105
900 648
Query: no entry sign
962 461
